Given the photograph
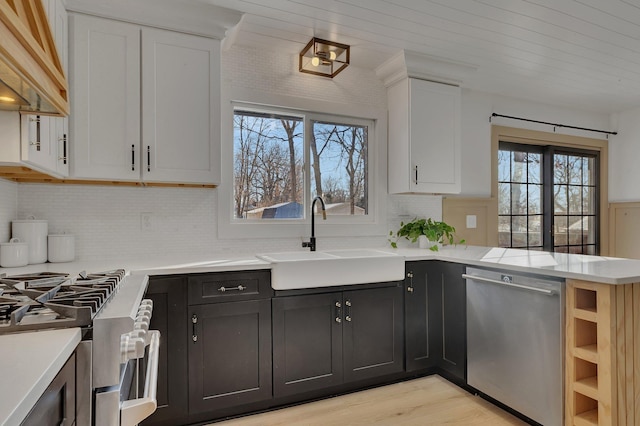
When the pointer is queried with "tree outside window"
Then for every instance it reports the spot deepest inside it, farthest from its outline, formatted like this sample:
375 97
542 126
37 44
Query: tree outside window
548 198
270 180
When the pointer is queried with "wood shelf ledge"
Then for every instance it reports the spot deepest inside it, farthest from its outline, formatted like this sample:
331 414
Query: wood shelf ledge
23 174
587 353
585 314
587 387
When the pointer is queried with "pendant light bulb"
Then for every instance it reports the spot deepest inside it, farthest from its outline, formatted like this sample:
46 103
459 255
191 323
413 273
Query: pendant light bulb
315 61
332 55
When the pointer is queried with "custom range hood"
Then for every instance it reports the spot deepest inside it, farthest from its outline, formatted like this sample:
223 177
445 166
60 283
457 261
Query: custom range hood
32 79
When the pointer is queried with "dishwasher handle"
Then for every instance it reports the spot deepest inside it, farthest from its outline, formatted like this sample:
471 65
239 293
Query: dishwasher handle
509 284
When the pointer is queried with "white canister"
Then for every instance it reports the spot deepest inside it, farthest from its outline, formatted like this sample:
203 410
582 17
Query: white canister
34 233
14 253
62 248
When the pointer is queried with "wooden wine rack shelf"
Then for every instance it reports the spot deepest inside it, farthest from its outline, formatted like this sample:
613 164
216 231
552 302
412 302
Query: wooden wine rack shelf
602 354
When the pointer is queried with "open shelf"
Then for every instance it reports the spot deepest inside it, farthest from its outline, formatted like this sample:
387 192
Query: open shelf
586 378
586 299
586 410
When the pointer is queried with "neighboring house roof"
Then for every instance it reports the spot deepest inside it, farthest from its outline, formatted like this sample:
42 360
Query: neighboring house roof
277 211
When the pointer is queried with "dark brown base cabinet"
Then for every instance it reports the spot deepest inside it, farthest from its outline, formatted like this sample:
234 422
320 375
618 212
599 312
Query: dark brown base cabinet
169 296
57 405
454 319
421 316
230 340
435 318
324 340
215 348
229 354
231 346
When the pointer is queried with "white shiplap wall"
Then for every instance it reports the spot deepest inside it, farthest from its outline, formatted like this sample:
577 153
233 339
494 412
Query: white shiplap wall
106 219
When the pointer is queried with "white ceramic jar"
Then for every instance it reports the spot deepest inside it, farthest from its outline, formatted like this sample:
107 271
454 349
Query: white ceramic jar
61 248
14 253
34 233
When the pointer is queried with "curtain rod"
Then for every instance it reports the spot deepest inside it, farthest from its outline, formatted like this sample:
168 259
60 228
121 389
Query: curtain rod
553 124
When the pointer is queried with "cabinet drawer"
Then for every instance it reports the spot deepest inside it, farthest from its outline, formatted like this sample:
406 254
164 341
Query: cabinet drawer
229 286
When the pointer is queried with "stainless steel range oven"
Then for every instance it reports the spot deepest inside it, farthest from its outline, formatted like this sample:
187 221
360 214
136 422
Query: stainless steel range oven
117 360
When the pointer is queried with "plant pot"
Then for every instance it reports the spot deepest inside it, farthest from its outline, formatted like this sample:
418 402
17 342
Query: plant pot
425 243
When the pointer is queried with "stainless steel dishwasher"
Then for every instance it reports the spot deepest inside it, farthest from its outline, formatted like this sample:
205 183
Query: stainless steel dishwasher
515 341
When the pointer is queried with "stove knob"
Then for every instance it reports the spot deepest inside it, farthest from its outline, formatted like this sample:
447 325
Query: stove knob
144 313
141 325
146 305
131 347
138 332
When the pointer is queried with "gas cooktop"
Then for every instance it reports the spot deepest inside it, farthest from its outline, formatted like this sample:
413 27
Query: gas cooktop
54 300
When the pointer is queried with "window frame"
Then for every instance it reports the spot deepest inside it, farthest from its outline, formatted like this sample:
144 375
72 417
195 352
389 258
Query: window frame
564 142
372 224
548 183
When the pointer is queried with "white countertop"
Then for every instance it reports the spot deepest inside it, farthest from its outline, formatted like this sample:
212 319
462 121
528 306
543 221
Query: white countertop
608 270
28 366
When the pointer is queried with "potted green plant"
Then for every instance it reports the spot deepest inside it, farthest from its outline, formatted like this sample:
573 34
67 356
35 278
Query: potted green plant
437 233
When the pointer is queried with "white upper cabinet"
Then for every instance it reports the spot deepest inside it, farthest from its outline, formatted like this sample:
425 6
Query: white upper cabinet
145 103
44 141
180 107
105 99
424 137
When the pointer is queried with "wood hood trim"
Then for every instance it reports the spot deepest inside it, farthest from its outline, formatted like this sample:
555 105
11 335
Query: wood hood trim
29 50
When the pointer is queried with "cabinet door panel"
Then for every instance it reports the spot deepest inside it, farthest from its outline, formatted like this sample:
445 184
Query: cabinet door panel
57 405
105 116
38 144
169 296
180 107
435 135
307 342
421 318
373 338
454 319
230 362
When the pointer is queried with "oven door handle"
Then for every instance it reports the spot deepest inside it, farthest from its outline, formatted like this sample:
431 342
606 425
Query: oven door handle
134 411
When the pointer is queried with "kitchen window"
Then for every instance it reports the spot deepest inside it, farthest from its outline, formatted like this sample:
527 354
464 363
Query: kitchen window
548 198
271 151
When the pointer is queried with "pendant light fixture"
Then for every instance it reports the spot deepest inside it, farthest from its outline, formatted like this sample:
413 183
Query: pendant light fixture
323 57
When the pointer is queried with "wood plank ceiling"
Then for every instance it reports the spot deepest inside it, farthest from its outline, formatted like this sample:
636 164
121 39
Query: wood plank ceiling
583 54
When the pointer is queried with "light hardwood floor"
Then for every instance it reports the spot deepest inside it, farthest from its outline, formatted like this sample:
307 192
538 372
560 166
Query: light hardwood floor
427 401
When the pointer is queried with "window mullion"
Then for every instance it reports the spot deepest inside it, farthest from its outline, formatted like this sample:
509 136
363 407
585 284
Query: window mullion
548 206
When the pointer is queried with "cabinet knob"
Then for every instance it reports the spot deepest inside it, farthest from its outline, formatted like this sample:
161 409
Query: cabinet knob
338 320
338 305
410 289
348 318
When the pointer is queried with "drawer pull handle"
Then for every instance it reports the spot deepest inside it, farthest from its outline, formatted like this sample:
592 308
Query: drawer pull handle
238 288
